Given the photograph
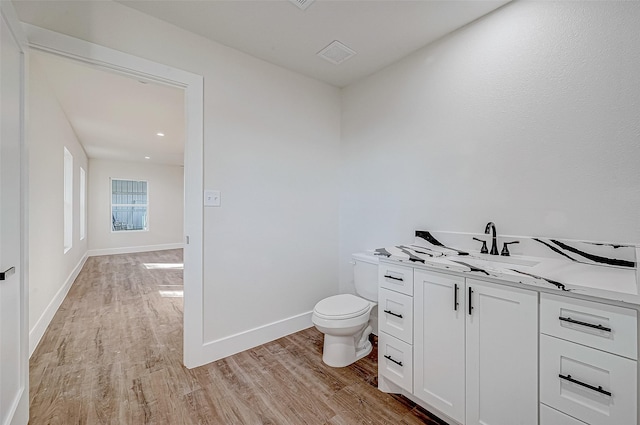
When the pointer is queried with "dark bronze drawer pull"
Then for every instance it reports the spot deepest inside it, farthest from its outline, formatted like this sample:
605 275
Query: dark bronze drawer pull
582 384
589 325
394 278
5 274
455 297
393 314
393 360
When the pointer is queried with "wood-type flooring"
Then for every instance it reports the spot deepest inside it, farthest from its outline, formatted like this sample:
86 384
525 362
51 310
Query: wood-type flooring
113 355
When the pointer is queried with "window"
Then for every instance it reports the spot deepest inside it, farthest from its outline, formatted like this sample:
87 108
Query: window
83 203
68 200
129 203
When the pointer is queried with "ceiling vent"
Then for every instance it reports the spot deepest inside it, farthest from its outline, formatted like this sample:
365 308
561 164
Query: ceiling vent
336 52
302 4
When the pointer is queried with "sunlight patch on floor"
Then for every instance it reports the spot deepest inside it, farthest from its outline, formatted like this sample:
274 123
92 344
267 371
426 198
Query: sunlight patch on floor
155 266
171 291
178 293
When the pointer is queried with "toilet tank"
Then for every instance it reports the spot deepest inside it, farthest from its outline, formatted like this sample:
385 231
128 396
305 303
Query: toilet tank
365 275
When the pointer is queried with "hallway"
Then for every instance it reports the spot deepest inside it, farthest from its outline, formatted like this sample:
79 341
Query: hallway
113 355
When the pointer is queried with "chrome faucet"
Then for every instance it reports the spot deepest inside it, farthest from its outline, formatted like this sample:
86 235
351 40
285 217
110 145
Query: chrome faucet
494 244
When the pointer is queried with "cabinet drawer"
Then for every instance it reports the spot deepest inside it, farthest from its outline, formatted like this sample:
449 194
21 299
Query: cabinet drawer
395 361
549 416
589 369
395 314
577 320
397 278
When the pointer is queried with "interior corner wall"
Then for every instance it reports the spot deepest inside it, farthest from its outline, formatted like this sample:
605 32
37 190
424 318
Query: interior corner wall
51 270
165 209
271 146
527 117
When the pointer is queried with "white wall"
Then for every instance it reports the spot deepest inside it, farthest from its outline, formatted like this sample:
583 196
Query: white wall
527 117
166 206
51 271
271 146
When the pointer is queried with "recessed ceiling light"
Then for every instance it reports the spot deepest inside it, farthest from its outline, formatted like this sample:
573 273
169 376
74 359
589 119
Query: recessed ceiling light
147 157
160 134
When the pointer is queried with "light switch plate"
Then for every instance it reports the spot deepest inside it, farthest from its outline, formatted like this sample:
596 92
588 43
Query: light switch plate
211 198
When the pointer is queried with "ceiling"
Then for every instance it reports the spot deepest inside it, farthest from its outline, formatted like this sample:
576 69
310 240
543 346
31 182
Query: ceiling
117 117
380 31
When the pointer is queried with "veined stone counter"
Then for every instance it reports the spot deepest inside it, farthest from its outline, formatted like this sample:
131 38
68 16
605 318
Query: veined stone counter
602 270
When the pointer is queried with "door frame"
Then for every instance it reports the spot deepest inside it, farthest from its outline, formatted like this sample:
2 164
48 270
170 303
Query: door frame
20 411
193 85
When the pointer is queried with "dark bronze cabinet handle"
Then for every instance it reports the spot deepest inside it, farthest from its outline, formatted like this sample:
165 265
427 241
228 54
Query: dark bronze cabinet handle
393 314
394 278
470 304
455 297
597 389
5 274
589 325
393 360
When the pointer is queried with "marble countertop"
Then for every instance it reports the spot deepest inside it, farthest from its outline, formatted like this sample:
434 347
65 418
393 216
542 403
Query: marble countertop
602 270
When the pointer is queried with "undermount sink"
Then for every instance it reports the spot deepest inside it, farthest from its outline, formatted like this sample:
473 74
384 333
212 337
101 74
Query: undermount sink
501 260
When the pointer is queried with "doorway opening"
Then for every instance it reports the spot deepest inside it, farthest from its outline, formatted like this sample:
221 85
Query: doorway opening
144 71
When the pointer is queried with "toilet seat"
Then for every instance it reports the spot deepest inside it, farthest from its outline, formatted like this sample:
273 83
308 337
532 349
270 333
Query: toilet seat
342 307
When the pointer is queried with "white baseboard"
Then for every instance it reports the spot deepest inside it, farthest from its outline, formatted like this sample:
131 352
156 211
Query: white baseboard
220 348
19 410
36 334
133 249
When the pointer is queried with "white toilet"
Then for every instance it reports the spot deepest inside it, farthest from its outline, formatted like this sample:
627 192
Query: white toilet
344 319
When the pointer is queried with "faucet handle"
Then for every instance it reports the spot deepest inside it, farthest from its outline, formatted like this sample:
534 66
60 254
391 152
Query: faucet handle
505 248
484 249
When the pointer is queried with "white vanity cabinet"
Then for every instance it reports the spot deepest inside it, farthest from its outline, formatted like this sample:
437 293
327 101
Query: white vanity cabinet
395 325
588 361
475 349
474 352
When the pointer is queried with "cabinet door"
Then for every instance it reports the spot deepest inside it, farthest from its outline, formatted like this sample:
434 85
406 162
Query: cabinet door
395 314
396 277
549 416
439 366
601 326
502 355
596 387
395 361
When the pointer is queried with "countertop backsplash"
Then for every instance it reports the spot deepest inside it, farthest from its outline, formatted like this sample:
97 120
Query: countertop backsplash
545 247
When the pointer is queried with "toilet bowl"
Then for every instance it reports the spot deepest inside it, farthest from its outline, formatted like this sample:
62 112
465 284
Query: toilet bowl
344 319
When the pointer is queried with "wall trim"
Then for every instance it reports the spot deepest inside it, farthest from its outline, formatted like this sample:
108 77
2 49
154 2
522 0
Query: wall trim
133 249
227 346
36 334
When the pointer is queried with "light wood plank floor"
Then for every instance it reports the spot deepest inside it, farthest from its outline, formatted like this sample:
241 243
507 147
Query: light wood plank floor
113 355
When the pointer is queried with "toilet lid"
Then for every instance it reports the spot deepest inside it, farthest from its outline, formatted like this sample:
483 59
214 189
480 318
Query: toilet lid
344 306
